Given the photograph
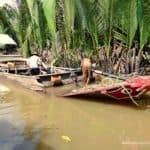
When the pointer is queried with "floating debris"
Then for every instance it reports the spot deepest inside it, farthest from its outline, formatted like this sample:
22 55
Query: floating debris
3 88
66 138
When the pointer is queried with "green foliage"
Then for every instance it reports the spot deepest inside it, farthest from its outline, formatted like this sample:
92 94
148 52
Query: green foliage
60 23
69 17
71 24
5 22
108 11
44 33
50 14
144 22
126 22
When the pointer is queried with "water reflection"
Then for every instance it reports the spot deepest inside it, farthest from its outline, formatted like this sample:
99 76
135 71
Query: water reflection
34 121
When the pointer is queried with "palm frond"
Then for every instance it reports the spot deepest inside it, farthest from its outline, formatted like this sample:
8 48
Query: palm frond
50 13
144 23
81 14
69 13
125 26
130 20
107 13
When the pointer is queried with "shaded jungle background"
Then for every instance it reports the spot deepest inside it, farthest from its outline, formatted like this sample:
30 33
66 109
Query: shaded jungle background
114 32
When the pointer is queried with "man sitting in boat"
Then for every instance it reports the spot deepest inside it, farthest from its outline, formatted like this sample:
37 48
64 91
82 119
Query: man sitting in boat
86 66
35 63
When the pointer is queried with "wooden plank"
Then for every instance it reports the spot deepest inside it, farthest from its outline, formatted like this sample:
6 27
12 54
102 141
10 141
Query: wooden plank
109 75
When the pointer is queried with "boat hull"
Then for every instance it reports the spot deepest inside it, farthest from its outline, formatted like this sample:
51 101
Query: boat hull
129 89
40 82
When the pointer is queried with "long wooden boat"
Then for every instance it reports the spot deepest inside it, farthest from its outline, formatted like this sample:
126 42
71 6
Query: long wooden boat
40 82
19 72
130 89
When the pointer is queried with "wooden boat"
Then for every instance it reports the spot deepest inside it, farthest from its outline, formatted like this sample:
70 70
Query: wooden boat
40 82
130 89
16 69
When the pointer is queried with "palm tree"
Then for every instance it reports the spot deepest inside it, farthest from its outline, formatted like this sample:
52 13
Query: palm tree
69 24
6 26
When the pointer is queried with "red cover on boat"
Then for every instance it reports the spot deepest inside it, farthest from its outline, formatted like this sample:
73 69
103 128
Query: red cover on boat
131 88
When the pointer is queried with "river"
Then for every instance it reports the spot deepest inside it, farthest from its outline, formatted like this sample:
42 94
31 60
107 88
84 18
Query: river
35 121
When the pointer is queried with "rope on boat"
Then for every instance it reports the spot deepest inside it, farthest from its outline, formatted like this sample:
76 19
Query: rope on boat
110 81
131 97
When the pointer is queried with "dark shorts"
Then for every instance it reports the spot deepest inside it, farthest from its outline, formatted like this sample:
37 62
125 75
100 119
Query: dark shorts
35 71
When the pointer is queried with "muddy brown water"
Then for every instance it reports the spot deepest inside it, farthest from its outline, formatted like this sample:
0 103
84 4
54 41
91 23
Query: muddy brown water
34 121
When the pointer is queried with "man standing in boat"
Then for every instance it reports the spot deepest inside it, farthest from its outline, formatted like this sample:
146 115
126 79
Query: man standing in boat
35 63
86 65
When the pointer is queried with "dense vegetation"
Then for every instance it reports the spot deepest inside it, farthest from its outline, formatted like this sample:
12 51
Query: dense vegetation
115 32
